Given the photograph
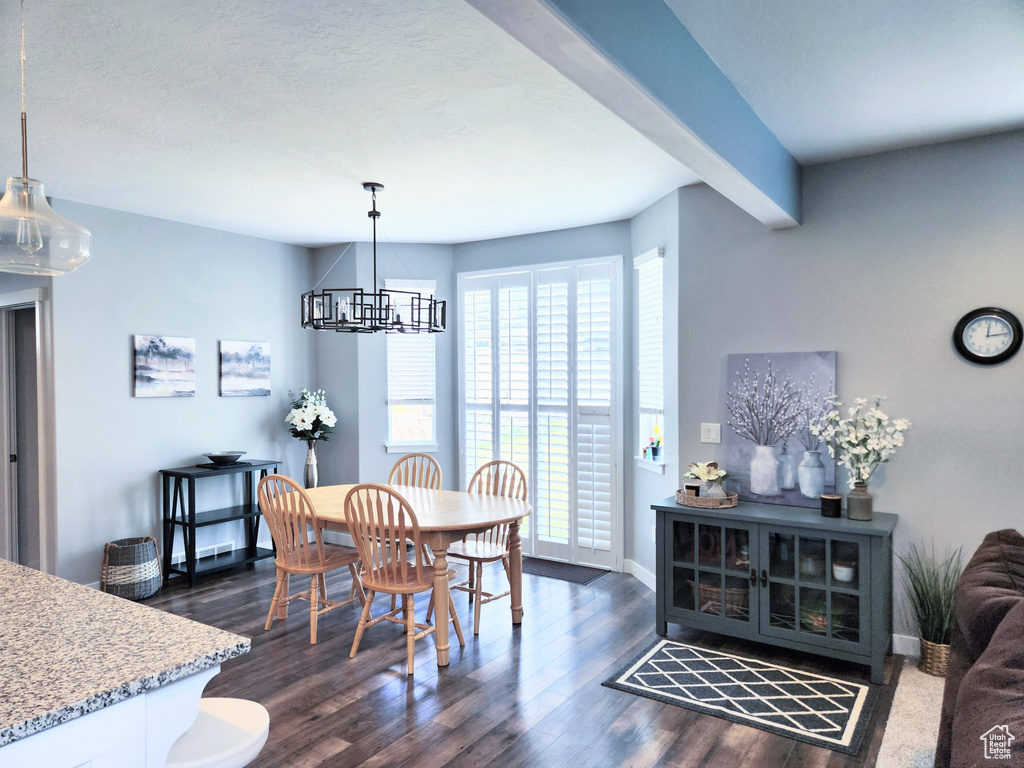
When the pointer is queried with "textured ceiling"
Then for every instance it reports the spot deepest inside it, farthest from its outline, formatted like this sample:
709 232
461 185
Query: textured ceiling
834 80
264 118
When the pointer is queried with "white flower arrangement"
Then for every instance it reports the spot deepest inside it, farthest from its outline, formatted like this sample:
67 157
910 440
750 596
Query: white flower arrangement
310 418
707 471
861 441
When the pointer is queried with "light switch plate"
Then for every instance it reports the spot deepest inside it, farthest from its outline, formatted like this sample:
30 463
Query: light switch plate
711 433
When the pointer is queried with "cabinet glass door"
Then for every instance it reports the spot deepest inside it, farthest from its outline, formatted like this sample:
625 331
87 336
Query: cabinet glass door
812 588
711 565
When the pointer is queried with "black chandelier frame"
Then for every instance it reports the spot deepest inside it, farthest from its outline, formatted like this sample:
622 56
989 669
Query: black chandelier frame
354 310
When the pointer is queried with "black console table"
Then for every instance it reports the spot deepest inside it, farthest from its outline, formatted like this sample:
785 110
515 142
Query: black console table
780 575
179 510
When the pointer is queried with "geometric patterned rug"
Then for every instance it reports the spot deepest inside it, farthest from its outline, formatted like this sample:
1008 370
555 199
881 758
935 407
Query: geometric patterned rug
820 710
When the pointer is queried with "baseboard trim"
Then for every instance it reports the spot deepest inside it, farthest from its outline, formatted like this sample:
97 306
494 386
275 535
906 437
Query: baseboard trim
337 537
907 645
641 574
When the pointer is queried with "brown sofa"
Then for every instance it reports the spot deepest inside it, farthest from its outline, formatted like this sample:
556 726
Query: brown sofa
983 704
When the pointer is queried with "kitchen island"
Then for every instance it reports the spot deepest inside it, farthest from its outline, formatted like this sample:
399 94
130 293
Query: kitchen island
90 678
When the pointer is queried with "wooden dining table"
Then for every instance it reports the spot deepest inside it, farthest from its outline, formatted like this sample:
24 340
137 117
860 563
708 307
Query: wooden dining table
443 517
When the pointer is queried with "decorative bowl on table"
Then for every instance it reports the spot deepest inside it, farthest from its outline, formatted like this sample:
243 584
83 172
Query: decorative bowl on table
224 458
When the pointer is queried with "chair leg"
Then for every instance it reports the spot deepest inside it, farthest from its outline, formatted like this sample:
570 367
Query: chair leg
357 586
364 619
479 590
314 603
471 586
273 603
458 625
430 606
409 607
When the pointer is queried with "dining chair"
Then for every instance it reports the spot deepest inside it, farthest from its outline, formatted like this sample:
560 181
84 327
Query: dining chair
381 522
416 469
298 539
496 478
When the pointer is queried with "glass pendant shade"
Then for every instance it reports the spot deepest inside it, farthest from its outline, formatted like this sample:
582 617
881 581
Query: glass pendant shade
34 240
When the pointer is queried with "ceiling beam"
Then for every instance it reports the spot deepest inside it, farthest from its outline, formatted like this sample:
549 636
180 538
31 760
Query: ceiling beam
639 61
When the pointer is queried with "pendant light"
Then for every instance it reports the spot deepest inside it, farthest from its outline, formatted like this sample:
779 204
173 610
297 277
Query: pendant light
34 240
353 310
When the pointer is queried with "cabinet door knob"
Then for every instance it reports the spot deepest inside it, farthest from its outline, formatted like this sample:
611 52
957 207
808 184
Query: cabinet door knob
753 577
764 578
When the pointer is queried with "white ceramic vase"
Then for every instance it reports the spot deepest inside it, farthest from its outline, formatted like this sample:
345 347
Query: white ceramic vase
787 469
764 471
812 475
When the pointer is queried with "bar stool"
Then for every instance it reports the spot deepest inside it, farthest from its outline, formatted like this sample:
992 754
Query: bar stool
228 733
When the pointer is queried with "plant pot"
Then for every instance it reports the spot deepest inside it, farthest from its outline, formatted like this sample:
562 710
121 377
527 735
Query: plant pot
713 490
934 658
811 473
858 503
764 471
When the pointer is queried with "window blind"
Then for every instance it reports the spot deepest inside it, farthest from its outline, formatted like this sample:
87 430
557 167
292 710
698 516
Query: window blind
650 310
411 374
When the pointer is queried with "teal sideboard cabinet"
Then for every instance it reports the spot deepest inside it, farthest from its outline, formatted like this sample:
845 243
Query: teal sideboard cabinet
780 575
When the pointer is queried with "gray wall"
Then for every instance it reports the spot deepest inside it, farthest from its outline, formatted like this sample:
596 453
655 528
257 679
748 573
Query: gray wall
893 250
149 276
352 368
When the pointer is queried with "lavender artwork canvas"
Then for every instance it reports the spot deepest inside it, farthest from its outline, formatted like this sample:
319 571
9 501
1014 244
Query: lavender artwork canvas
773 400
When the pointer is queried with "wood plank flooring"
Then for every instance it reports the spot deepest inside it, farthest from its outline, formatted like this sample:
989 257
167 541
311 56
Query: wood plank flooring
529 696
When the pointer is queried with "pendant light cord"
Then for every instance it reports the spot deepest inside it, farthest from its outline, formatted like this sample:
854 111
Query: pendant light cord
24 120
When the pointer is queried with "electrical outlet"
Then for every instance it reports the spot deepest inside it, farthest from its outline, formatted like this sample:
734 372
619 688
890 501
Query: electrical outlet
711 433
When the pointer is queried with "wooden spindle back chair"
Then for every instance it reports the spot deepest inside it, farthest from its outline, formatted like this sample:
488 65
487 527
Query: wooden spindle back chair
495 478
381 523
298 539
416 469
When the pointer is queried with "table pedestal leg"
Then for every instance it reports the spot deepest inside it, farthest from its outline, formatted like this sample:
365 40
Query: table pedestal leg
515 557
441 597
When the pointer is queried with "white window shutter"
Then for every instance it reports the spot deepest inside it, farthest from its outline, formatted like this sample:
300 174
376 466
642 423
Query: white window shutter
650 311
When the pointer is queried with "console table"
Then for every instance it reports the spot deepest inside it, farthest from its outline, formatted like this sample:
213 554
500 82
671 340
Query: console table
780 575
179 511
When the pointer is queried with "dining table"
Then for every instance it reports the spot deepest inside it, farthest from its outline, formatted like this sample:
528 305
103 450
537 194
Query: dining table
443 517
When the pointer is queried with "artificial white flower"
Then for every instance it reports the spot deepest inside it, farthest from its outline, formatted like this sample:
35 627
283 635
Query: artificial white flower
863 441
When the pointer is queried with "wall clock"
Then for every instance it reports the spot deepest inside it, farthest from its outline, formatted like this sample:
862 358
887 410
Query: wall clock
988 335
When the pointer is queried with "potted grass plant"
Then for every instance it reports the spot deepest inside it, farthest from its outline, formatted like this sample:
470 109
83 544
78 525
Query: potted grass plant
930 584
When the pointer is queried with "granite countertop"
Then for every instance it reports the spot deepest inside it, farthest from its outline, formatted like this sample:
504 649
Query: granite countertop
67 650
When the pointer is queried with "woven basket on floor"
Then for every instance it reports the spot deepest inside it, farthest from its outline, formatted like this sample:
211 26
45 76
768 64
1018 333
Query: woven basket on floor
131 568
934 658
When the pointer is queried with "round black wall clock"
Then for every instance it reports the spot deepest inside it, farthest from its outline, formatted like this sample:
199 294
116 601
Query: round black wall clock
988 335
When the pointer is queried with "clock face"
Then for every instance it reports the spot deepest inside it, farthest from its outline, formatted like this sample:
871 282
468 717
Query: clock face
988 336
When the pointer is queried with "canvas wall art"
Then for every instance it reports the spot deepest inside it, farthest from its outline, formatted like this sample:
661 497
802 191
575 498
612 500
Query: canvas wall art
165 366
771 453
244 369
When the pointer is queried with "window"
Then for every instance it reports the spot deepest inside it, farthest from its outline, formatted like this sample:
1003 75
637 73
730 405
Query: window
411 371
651 386
538 384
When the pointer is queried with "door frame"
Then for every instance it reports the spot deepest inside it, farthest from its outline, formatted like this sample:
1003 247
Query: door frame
39 299
617 412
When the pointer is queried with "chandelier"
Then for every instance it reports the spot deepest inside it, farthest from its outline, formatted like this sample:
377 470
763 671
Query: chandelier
353 310
34 240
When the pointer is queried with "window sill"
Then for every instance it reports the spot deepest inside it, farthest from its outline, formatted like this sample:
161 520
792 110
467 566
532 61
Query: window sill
412 447
657 467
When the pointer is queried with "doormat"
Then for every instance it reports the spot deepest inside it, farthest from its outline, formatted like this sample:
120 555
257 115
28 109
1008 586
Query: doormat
579 574
824 711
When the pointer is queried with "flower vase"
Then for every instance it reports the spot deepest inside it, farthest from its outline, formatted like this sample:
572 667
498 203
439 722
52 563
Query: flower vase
310 478
858 503
713 490
787 469
812 475
764 471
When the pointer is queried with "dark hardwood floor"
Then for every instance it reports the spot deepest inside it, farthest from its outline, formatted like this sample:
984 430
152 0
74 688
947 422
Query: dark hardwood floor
529 696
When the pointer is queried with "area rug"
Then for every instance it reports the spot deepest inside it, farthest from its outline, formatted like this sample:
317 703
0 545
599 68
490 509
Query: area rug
579 574
825 711
913 725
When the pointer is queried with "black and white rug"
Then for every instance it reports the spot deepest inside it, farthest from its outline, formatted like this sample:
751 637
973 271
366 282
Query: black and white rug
820 710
